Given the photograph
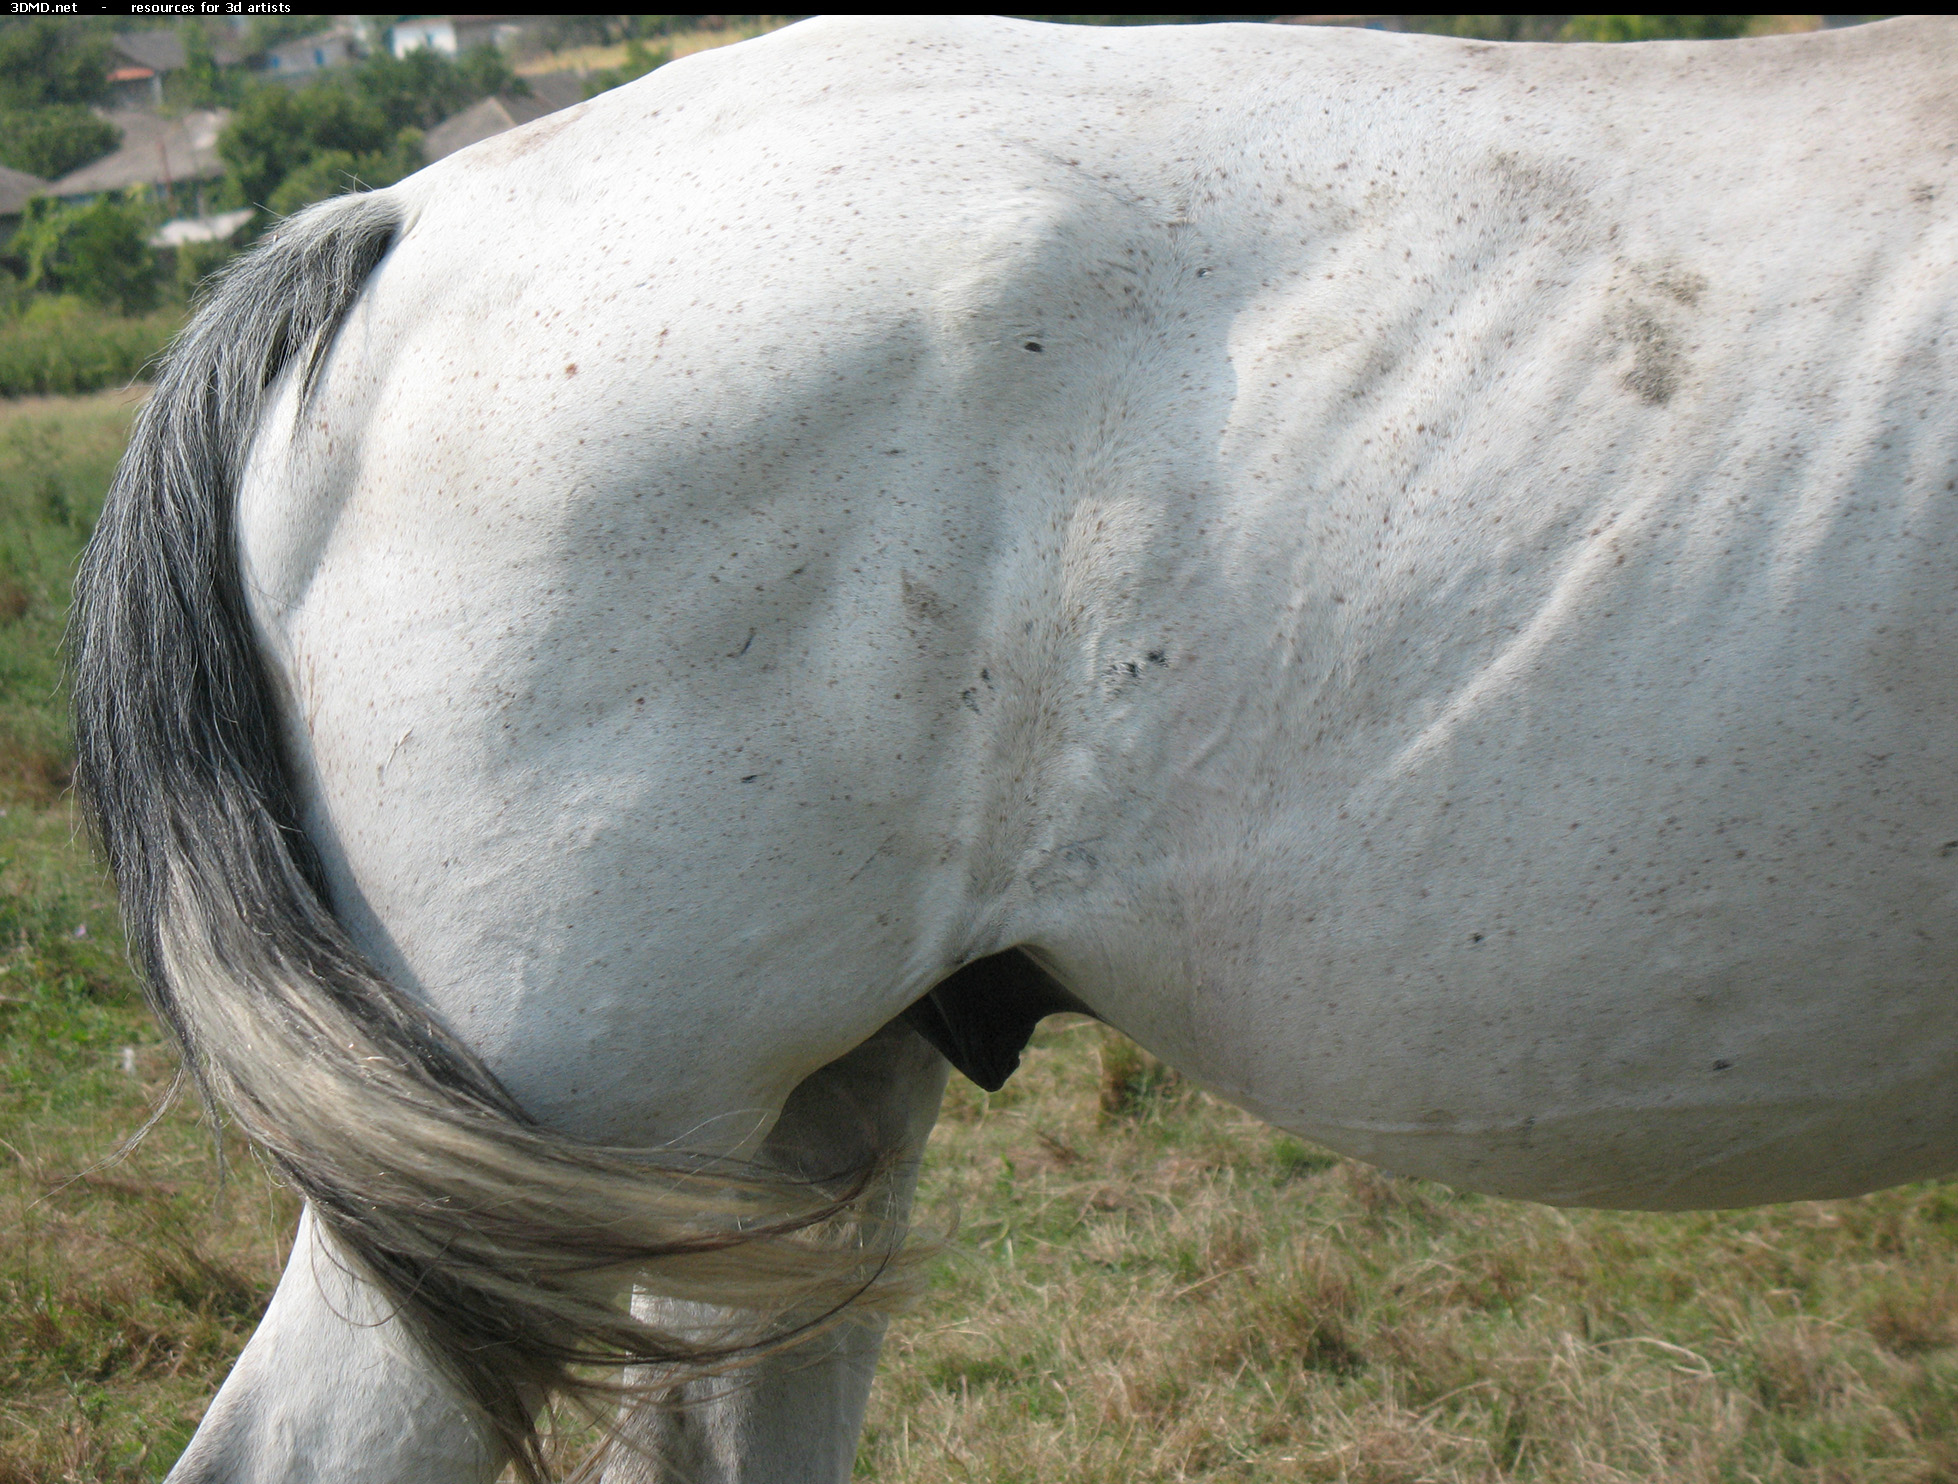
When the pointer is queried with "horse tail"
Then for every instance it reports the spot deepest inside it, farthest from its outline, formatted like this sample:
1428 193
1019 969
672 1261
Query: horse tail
502 1246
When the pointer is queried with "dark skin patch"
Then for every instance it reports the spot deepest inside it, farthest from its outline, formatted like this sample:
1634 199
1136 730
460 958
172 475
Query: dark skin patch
982 1017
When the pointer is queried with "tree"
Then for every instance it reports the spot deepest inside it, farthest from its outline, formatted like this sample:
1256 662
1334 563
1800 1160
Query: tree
285 149
203 82
100 251
47 60
333 172
53 140
425 87
278 131
484 70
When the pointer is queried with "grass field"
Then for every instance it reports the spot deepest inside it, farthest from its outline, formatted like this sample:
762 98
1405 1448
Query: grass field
1143 1285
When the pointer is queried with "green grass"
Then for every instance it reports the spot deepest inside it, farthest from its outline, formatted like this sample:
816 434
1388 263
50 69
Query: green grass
1144 1284
56 457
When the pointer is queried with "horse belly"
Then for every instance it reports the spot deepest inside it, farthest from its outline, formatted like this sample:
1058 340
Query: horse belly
1650 902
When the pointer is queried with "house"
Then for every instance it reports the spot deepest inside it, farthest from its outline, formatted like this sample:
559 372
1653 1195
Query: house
132 86
170 158
452 35
306 58
139 62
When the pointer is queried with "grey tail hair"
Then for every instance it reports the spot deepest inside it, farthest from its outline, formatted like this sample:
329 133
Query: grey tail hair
504 1248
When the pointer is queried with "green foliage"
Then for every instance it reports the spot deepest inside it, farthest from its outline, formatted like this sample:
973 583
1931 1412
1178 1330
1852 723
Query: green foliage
63 344
55 139
197 261
1584 27
46 60
202 83
277 130
54 469
639 60
1654 27
483 70
609 30
285 148
99 251
1491 27
335 171
425 87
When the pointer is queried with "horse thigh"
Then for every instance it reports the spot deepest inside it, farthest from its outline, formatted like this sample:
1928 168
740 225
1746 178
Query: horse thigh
794 1418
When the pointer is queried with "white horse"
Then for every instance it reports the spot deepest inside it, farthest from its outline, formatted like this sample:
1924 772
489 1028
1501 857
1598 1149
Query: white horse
1417 578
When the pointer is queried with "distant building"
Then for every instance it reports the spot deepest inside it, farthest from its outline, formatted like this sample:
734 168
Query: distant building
452 35
142 59
171 158
306 58
135 87
491 116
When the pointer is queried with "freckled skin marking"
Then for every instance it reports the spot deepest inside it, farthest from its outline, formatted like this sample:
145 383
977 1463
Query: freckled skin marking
1330 514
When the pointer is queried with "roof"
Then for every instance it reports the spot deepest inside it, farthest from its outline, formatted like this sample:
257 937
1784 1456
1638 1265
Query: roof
160 51
486 118
16 186
154 152
559 89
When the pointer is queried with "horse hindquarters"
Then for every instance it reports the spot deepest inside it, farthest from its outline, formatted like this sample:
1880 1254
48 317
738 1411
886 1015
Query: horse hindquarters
497 1244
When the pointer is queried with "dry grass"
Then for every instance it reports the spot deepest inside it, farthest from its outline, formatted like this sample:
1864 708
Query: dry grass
1157 1287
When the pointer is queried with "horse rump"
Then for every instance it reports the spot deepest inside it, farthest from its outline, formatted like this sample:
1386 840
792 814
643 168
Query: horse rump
504 1248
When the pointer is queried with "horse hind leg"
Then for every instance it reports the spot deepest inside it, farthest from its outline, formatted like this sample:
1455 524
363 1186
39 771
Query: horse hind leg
794 1417
330 1387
